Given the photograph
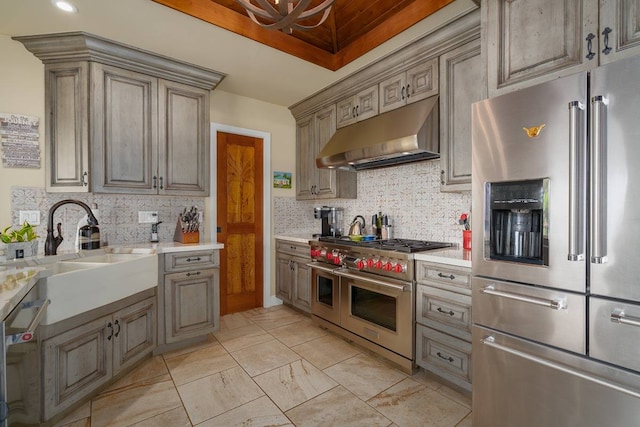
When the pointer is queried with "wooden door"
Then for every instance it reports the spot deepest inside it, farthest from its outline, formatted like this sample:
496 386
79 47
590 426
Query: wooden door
239 211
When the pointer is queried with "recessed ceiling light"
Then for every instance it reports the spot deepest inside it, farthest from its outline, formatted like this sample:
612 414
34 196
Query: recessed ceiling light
67 6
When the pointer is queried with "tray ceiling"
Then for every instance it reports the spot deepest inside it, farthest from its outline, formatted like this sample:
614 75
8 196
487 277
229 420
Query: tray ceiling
353 28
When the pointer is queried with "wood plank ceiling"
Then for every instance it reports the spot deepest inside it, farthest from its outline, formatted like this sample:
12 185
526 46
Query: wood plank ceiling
353 27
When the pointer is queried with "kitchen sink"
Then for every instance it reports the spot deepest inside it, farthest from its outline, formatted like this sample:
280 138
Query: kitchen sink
82 284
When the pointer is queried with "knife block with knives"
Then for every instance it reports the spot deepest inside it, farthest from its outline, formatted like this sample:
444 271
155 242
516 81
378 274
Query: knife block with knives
187 227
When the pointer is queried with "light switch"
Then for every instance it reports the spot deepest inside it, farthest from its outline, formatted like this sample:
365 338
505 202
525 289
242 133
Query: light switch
32 217
147 217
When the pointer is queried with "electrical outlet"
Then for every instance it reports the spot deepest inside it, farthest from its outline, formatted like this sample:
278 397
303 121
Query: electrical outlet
147 217
32 217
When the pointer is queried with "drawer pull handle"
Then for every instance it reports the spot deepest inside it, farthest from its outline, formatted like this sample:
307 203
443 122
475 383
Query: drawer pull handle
197 273
618 316
440 310
193 259
110 326
118 331
444 276
557 304
447 358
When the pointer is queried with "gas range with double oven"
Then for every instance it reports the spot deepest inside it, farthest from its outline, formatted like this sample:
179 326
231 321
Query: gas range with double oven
364 292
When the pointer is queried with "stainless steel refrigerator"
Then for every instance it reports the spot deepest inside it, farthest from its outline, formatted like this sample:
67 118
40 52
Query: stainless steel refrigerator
556 252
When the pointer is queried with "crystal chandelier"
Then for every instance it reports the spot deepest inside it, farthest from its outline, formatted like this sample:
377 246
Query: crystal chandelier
285 14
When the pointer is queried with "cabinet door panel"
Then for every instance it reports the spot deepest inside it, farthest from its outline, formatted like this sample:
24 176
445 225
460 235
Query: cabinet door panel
461 72
67 127
192 304
302 280
346 112
325 127
75 363
183 139
367 103
422 81
621 18
392 92
135 333
533 41
124 130
306 160
283 278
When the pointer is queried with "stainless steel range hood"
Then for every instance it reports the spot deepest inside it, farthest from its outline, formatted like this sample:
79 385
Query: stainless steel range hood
407 134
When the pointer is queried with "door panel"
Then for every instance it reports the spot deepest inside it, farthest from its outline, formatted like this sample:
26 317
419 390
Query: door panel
503 151
618 275
239 212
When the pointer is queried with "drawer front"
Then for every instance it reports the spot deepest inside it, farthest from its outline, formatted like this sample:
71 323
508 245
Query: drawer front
614 332
444 310
545 315
293 248
427 272
444 355
182 261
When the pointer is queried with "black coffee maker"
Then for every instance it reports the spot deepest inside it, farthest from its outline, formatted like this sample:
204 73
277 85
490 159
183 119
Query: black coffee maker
331 221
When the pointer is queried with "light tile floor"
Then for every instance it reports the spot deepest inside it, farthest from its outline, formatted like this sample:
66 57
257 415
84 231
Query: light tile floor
273 367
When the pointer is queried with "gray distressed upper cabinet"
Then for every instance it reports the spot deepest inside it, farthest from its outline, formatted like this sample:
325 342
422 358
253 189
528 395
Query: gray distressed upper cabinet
416 83
460 73
123 120
150 136
312 132
357 107
532 41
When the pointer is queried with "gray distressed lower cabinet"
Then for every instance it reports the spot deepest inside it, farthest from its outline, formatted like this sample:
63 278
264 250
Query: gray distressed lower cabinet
87 353
293 276
443 321
191 294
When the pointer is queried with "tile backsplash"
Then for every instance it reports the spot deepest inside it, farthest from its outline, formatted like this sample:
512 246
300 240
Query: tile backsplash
409 194
117 214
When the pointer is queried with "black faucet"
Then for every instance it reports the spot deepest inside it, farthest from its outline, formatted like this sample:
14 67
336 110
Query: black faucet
52 243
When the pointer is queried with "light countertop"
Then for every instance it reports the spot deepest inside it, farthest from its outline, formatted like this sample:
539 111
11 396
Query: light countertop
451 256
296 237
170 247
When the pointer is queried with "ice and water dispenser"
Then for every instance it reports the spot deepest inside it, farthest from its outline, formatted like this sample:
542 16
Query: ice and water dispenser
517 214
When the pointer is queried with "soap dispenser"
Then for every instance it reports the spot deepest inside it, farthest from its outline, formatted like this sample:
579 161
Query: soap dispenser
154 232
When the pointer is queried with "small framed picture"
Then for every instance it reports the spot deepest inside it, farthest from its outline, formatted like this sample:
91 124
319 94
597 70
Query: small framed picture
282 180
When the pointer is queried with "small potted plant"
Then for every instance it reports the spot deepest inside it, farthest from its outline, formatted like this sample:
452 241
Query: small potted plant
21 242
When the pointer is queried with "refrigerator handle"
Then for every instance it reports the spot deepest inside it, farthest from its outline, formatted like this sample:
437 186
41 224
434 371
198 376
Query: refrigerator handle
576 182
598 179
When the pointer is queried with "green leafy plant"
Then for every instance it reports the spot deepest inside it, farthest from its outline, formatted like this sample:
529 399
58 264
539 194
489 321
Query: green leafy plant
26 233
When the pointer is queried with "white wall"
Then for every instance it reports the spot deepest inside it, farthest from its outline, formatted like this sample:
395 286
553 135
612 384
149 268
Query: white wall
21 92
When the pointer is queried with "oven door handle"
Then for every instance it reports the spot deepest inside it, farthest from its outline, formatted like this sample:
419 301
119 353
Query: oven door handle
320 267
397 288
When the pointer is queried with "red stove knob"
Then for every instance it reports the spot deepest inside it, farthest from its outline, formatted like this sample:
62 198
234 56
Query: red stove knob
315 252
400 268
370 263
360 264
329 256
378 264
388 266
337 259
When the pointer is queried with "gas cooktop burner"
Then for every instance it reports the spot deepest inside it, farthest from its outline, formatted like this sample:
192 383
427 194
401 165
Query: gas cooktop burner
399 245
